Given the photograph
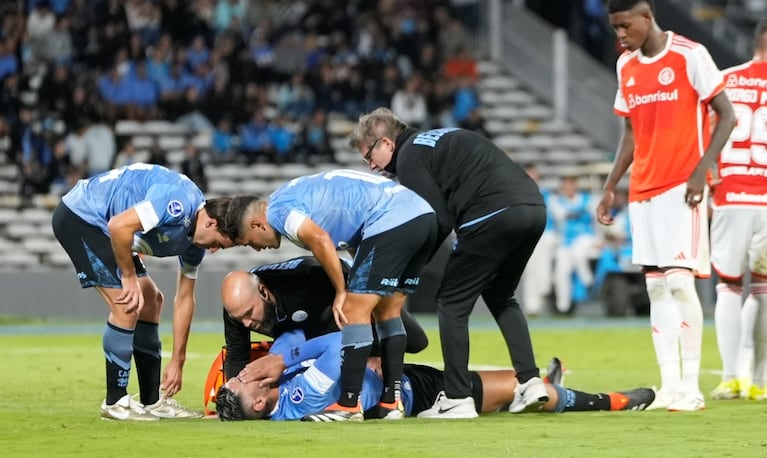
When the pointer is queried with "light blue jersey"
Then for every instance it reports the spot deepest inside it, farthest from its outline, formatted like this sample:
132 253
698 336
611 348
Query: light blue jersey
573 217
166 203
349 205
312 379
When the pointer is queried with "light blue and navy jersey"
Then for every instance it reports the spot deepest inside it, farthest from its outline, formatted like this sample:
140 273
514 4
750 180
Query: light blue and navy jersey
574 217
166 203
312 379
349 205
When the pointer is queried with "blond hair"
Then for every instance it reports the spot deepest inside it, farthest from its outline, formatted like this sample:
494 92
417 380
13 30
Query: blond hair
381 122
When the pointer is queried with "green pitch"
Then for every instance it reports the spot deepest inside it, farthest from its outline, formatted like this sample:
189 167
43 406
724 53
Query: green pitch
52 386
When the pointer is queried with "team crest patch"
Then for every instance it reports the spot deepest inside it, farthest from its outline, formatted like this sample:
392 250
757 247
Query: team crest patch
175 208
666 76
299 316
296 395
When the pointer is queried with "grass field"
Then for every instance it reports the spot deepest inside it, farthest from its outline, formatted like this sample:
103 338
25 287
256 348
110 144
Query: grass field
52 385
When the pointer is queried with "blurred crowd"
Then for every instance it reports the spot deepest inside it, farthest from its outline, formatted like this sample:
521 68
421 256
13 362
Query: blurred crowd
262 77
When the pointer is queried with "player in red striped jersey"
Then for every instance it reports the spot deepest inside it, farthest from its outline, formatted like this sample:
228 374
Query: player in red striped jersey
666 85
739 229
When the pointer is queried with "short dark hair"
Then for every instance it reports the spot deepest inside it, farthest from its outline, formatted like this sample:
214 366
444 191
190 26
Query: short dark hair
235 211
217 209
617 6
228 406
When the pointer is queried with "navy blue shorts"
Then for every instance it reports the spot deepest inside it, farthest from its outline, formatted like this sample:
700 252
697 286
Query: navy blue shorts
426 383
393 260
89 249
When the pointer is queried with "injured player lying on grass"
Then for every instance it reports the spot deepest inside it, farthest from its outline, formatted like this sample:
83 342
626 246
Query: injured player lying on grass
311 374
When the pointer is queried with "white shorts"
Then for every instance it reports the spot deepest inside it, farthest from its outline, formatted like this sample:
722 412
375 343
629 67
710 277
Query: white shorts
739 241
667 233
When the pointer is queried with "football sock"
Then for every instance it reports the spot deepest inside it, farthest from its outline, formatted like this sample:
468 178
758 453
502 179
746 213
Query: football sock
118 347
147 356
759 290
664 320
577 401
356 343
393 343
681 283
727 320
745 362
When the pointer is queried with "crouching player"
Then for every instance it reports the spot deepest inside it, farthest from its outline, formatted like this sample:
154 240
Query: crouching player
310 375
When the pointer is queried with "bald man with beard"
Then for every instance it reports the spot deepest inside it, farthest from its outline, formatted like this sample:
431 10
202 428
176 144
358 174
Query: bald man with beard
285 296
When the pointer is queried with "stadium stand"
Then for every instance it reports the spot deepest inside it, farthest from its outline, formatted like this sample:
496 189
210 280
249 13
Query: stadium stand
517 119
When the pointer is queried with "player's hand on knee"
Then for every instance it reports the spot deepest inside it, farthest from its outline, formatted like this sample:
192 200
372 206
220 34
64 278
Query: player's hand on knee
131 298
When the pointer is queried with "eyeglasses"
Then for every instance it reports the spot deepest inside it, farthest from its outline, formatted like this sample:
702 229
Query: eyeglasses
367 155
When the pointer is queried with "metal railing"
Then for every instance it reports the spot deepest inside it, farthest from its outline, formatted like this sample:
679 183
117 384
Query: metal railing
558 72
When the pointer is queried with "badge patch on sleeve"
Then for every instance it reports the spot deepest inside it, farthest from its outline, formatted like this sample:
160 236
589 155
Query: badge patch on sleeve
175 208
297 395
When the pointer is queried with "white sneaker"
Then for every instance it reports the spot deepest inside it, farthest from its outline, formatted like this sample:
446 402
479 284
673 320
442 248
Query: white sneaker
126 409
687 402
170 408
445 407
529 396
662 399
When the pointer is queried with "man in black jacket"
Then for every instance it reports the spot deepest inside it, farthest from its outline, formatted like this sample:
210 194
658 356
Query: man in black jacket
285 296
498 215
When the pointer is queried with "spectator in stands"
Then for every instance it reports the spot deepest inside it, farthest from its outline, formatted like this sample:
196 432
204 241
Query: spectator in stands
466 99
128 155
37 165
56 45
193 166
157 155
255 142
295 97
113 91
142 94
40 22
197 53
9 63
409 103
56 90
572 211
460 64
536 279
476 122
314 140
223 145
283 139
100 147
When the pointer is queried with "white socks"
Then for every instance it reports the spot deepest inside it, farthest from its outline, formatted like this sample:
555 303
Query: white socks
676 318
727 317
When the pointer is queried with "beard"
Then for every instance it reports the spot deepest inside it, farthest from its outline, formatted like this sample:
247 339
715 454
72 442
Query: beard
268 326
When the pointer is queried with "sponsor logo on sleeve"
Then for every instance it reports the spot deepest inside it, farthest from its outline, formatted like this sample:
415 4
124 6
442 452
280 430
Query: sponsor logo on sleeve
175 208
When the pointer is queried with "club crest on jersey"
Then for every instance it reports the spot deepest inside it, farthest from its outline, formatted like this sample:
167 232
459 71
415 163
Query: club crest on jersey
666 76
175 208
299 316
296 395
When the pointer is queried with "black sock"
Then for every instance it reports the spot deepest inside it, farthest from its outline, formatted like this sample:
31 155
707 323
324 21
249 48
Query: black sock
117 345
354 360
392 362
581 401
147 355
